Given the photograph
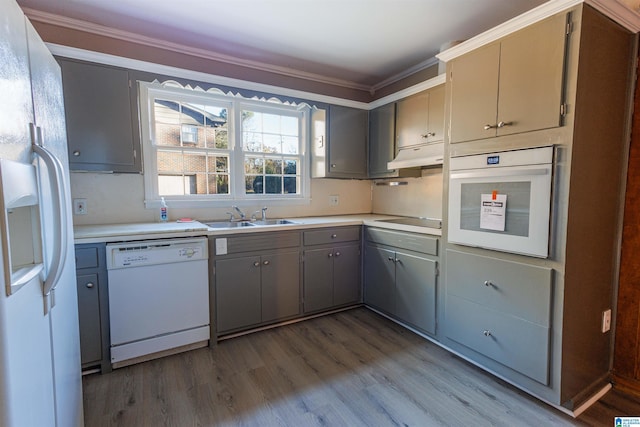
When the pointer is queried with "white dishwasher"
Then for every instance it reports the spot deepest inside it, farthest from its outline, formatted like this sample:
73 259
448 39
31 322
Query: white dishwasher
158 298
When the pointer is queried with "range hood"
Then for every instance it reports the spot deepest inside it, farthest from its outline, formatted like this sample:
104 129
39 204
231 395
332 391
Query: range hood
418 155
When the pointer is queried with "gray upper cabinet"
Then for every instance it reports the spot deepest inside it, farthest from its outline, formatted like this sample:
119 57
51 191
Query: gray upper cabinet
420 118
511 86
339 138
382 147
101 128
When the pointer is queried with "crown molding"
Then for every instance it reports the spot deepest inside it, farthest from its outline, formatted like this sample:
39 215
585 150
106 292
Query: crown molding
406 73
534 15
75 24
619 12
411 90
150 67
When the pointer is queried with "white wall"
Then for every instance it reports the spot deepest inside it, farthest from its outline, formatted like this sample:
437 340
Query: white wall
421 197
119 199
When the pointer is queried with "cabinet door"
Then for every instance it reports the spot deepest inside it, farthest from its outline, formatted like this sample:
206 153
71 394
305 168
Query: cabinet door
238 300
435 122
411 120
346 275
280 286
531 71
474 94
416 291
379 278
99 118
347 142
381 140
89 318
318 279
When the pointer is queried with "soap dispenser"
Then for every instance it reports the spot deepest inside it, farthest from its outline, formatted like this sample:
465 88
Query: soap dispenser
164 213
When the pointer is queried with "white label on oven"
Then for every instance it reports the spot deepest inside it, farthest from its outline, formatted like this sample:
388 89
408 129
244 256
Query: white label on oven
493 211
221 246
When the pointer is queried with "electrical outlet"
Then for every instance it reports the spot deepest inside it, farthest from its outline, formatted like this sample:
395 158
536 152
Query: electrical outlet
79 206
606 320
334 200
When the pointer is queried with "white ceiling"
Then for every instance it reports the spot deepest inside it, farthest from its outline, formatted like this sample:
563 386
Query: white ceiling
361 43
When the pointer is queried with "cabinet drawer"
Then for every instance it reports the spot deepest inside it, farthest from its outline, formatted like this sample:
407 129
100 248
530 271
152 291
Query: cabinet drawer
522 346
410 241
331 235
512 288
87 257
261 242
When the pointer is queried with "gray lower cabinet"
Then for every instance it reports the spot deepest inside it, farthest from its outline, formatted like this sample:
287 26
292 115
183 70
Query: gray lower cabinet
253 290
257 280
332 265
331 277
500 309
93 306
401 275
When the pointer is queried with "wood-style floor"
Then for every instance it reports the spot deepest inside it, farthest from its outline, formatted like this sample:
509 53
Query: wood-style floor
353 368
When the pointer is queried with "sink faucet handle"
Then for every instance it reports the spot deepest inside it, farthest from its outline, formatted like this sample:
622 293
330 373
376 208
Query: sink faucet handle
231 217
237 209
264 213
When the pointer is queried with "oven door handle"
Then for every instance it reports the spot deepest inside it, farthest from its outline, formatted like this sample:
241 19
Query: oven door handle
496 173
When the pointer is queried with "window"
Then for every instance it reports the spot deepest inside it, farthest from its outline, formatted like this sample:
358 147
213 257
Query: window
210 149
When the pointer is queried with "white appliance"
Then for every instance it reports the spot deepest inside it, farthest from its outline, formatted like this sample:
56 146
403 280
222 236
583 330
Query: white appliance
158 297
40 372
502 200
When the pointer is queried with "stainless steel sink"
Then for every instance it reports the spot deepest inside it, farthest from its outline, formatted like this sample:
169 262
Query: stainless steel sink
229 224
274 222
256 223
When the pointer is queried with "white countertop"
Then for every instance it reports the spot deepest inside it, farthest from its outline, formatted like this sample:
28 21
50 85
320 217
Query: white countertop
158 230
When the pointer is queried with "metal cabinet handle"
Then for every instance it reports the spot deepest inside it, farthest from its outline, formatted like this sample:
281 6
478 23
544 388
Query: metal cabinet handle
487 127
76 153
266 263
486 333
487 283
256 264
337 253
503 124
333 165
428 134
330 254
89 285
333 236
391 259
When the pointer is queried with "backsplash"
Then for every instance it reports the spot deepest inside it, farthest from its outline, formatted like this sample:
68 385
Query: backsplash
119 199
420 197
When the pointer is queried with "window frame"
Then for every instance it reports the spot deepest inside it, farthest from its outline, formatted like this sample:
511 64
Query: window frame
235 104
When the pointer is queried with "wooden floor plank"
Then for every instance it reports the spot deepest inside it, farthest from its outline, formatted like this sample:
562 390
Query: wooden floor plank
353 368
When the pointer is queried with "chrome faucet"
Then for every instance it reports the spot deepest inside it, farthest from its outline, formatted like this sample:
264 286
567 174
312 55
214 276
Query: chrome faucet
242 215
264 214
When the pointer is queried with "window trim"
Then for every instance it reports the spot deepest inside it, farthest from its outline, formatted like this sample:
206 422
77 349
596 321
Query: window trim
235 104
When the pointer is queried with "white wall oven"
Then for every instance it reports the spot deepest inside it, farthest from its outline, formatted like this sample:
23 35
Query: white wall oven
502 200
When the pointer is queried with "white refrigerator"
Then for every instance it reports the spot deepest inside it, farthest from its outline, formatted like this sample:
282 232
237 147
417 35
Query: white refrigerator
40 371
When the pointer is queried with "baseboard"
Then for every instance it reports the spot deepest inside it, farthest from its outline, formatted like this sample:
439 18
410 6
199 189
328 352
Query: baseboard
626 385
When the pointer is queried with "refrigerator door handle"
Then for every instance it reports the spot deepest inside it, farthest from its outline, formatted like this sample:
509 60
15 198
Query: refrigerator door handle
56 178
